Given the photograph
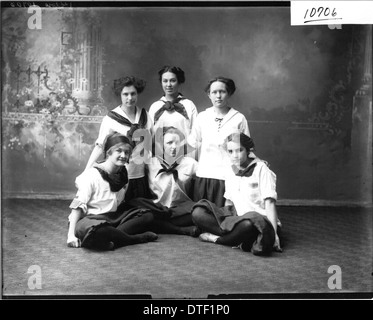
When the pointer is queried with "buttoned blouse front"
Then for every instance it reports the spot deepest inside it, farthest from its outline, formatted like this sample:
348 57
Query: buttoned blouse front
249 193
173 118
94 195
169 192
136 166
207 135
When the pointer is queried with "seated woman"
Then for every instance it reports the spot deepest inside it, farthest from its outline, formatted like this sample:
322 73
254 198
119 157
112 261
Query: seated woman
99 219
249 218
170 176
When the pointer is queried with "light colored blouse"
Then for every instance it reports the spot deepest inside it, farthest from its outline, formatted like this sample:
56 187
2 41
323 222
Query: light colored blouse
136 166
249 193
174 119
169 192
209 135
94 195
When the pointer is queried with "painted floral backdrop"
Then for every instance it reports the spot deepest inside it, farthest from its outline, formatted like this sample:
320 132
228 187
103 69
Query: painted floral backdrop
45 121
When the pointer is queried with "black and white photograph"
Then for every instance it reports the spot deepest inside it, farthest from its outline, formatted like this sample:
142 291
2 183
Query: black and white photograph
184 150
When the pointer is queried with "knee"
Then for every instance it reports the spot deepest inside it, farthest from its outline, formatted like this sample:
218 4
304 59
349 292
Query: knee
246 225
148 217
197 215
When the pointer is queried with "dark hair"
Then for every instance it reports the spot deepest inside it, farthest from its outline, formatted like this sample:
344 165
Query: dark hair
229 84
120 83
179 73
241 138
113 139
171 129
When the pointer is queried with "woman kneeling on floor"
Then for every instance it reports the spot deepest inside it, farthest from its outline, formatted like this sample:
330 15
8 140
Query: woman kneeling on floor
99 219
249 218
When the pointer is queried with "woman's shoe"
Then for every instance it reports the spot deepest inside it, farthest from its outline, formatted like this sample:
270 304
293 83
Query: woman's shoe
208 237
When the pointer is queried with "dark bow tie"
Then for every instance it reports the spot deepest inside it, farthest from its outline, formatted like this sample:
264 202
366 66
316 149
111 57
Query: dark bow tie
171 106
116 180
169 169
133 126
247 172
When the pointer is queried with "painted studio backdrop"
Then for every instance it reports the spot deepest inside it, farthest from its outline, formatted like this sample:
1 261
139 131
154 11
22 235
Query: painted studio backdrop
306 91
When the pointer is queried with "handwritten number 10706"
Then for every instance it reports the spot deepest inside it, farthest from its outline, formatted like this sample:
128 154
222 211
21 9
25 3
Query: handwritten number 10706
319 14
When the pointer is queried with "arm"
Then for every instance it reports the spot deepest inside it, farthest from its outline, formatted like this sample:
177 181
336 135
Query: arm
194 138
105 130
193 115
79 205
270 207
244 127
96 153
150 123
151 113
72 240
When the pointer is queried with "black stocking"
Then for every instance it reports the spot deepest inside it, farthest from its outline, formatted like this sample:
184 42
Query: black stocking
243 232
205 221
103 235
137 224
166 226
183 221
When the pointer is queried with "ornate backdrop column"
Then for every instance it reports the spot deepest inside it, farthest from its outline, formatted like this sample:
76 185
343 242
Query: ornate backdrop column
362 121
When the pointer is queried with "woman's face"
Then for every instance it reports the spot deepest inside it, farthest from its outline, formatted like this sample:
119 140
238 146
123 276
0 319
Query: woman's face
237 154
218 94
129 96
170 85
120 154
171 144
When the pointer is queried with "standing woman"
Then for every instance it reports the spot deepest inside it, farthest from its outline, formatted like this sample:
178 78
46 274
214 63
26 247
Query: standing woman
208 134
173 109
126 119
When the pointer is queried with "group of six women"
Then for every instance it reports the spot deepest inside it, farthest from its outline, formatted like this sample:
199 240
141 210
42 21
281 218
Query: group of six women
174 170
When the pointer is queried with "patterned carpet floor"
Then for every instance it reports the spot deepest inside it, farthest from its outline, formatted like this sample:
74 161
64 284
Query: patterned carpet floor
175 267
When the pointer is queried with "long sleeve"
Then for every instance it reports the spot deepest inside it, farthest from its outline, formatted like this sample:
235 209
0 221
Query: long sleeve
84 193
244 127
195 137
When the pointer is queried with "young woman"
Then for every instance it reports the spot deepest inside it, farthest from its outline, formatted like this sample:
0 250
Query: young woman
208 134
133 122
249 219
98 218
173 109
171 177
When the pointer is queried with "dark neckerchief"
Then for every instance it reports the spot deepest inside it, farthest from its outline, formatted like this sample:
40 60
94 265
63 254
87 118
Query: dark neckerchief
133 126
248 171
171 106
169 168
116 180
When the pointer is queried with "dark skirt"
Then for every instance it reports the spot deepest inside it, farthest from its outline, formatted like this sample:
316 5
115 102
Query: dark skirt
138 188
209 189
86 226
160 211
227 219
182 209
